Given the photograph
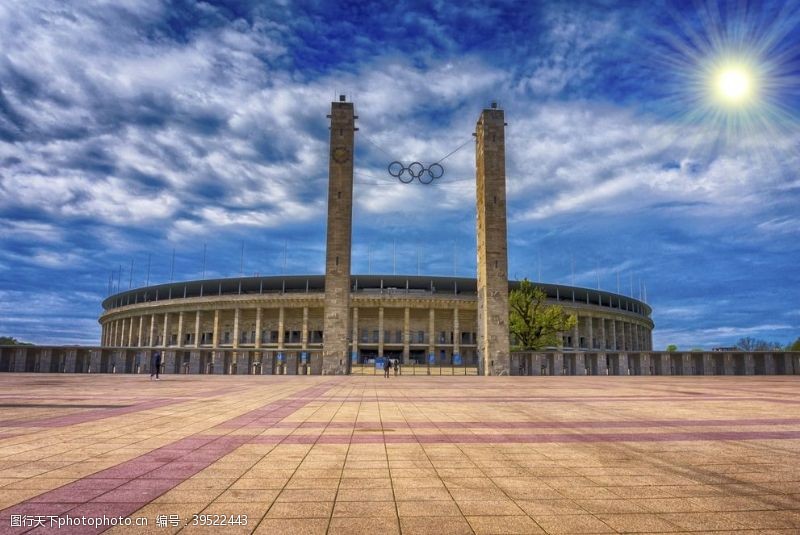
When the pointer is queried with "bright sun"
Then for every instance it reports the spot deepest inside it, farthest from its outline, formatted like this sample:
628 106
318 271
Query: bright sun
733 85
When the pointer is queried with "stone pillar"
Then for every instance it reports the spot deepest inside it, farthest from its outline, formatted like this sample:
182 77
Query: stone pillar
335 359
769 364
70 359
602 364
236 328
281 328
44 359
431 333
602 334
493 337
622 363
406 335
354 354
242 362
749 364
590 332
558 364
215 334
180 329
130 332
152 337
576 334
644 364
139 341
613 324
20 356
258 328
94 360
457 334
729 364
168 362
380 332
304 334
194 361
165 340
197 329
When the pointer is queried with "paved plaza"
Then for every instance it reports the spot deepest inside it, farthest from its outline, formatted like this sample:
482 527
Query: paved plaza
325 454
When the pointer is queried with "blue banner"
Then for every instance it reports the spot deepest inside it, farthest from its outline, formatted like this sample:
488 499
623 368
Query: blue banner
431 358
380 363
354 357
303 357
280 357
457 360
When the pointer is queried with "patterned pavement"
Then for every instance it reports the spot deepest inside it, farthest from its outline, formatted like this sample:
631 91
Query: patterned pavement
406 454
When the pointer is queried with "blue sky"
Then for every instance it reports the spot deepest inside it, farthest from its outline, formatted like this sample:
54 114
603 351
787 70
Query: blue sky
132 128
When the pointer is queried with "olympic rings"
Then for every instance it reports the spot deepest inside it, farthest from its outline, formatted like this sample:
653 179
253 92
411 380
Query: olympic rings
425 175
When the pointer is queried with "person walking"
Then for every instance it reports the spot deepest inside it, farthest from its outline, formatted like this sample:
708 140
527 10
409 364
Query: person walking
155 365
387 367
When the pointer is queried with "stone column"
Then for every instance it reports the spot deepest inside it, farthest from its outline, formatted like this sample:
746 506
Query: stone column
180 329
749 364
152 330
215 334
114 332
258 328
431 333
558 364
304 334
380 332
165 340
168 362
236 328
194 361
457 334
20 356
335 358
139 341
281 328
197 330
354 354
644 364
576 335
70 359
590 332
44 359
493 336
622 363
602 365
130 332
406 335
602 334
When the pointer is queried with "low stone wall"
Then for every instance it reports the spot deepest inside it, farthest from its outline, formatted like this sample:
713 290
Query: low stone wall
656 363
61 359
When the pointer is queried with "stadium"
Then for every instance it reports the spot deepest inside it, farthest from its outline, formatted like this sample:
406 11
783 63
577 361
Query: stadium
275 324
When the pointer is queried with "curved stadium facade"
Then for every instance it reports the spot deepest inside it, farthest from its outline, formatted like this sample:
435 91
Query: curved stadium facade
274 323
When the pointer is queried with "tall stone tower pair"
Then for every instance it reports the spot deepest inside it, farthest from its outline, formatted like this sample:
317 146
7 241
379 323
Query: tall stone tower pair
493 339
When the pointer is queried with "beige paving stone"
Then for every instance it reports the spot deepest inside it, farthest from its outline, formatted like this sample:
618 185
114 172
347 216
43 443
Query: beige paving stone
300 510
293 526
568 524
428 508
488 507
511 525
364 526
419 525
365 509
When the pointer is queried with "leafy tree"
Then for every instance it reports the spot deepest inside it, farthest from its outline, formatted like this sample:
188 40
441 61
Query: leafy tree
672 348
533 322
795 346
752 344
11 341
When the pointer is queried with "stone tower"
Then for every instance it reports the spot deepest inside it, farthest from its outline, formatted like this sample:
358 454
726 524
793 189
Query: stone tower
335 358
490 155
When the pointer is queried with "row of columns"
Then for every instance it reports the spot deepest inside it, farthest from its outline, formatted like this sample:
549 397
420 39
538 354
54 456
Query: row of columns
431 342
597 332
120 333
610 334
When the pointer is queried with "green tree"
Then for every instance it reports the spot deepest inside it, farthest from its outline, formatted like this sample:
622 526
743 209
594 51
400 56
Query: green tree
535 324
795 346
672 348
11 341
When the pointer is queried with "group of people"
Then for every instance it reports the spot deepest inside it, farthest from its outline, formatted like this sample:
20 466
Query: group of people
388 365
